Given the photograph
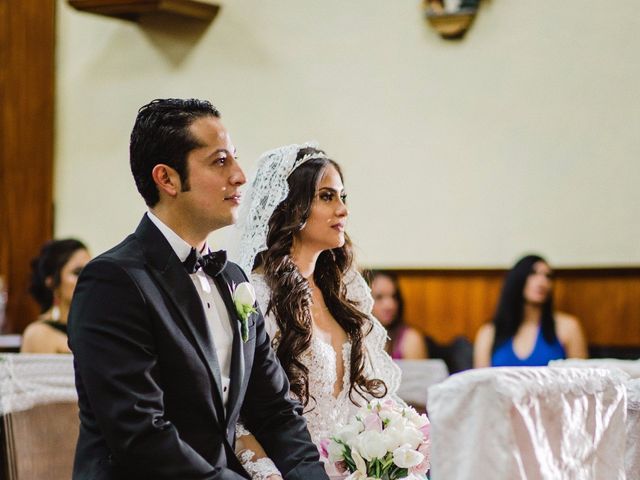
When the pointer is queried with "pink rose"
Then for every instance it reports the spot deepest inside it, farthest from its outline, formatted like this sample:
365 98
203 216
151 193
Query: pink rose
341 466
373 422
423 467
426 430
389 403
324 444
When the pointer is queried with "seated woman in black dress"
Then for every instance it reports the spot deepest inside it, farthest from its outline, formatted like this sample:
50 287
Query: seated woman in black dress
526 331
54 274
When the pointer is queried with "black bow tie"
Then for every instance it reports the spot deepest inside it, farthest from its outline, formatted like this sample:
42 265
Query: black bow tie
212 263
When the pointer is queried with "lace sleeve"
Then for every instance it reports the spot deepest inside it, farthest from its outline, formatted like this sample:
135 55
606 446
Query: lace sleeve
263 295
379 362
252 458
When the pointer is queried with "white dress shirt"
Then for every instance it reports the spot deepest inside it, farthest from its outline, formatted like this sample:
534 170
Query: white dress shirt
212 303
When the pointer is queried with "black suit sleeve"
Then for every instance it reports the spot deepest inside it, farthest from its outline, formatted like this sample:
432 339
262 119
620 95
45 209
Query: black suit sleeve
116 365
275 419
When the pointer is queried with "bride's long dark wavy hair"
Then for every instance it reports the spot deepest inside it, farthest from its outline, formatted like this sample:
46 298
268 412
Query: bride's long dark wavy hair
290 292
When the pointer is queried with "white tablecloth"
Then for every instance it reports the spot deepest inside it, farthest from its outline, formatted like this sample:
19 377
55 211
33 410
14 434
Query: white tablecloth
630 367
529 423
27 380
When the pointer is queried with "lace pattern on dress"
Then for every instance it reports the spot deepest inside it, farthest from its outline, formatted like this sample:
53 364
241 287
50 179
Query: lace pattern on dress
324 411
380 363
259 469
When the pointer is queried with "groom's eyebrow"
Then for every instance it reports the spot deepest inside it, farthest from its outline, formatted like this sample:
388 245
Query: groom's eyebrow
223 150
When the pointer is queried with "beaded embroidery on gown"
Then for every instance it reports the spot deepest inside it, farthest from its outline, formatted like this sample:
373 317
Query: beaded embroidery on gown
320 359
327 411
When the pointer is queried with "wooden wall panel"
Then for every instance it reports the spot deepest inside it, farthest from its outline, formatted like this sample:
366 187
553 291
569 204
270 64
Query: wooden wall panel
26 145
608 305
448 303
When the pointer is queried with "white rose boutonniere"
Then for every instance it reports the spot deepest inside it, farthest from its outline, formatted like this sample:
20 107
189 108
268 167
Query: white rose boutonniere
244 299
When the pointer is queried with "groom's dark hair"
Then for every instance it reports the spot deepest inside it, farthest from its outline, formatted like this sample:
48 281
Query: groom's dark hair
161 135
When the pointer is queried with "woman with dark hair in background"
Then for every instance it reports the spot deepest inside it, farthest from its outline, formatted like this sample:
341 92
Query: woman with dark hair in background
526 331
317 306
54 273
405 342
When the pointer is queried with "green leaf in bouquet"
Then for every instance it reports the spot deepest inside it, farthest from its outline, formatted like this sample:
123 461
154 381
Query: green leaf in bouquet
387 461
348 459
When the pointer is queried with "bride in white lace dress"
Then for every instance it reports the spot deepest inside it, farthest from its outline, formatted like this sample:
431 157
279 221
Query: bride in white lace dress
317 306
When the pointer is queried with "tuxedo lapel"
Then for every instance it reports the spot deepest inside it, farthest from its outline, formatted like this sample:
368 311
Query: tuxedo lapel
224 284
178 287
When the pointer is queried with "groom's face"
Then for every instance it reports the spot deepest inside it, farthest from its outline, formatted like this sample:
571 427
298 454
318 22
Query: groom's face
214 177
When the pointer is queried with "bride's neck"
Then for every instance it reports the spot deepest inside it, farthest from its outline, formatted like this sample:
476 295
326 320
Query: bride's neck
305 259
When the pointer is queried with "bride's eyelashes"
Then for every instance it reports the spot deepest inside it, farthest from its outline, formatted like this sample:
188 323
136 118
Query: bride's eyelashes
330 195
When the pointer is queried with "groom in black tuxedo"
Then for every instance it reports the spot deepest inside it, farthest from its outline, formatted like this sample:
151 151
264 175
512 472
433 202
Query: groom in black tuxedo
163 368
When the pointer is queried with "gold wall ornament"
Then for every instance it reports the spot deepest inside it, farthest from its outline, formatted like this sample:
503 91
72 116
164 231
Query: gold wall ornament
451 18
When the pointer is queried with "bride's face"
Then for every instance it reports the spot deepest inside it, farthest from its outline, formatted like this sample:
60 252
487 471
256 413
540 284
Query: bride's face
324 229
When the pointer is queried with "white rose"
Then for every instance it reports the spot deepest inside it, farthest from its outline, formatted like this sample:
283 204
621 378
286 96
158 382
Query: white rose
358 475
371 444
349 432
393 438
392 418
413 476
412 436
335 451
415 418
407 457
244 294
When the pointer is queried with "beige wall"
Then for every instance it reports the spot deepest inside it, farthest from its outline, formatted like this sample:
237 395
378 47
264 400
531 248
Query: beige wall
524 136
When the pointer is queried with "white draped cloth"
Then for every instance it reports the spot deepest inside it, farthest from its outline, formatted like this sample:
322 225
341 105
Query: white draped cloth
632 453
631 371
630 367
29 379
529 423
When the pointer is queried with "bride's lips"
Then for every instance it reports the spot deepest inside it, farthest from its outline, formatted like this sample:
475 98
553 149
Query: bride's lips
338 226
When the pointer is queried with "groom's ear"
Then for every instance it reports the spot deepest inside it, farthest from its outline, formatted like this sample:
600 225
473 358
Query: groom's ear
166 178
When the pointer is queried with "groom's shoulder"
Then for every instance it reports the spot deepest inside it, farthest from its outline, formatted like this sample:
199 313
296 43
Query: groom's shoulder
127 254
128 249
235 272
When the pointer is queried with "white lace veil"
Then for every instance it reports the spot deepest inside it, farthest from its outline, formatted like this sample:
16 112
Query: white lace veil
266 191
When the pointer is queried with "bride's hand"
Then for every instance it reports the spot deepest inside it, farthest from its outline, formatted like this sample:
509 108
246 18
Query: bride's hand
274 477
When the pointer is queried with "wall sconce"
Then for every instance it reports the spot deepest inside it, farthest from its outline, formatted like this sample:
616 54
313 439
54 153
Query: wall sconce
451 18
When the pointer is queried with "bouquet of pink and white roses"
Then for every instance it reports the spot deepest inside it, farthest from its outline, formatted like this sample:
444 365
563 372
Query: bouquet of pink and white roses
383 440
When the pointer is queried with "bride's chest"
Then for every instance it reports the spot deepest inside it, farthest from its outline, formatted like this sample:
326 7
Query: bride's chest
325 362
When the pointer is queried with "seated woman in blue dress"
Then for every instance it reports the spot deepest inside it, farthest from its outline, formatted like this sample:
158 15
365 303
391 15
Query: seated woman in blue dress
526 331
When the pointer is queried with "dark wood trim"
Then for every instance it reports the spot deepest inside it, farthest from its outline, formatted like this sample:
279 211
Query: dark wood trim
27 36
133 9
564 271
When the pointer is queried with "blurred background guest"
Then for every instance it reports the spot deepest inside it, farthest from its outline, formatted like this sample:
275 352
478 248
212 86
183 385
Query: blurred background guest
54 273
526 331
405 342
